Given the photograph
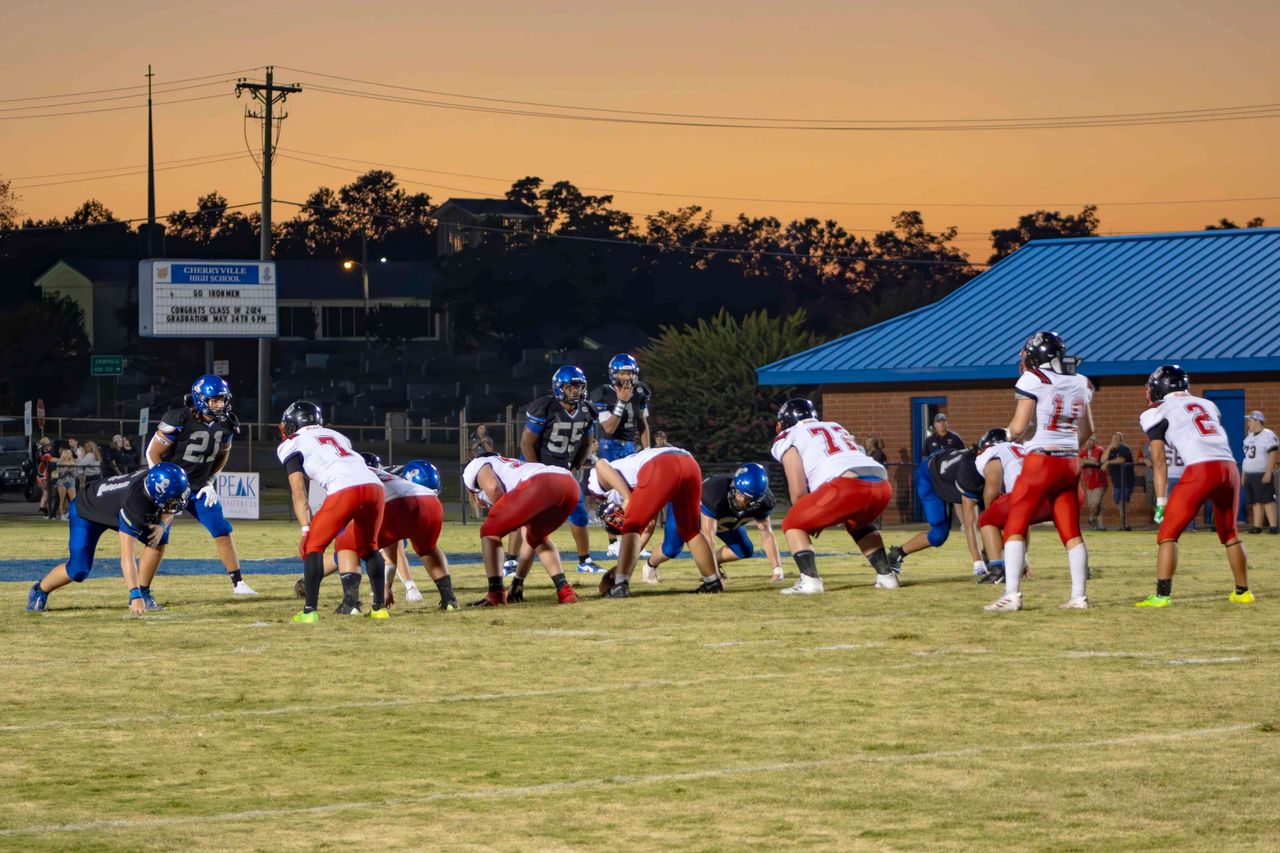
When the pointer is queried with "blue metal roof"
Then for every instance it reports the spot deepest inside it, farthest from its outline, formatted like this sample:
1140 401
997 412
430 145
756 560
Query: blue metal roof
1209 300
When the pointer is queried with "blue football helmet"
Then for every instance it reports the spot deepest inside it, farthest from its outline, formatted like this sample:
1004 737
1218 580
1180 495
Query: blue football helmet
751 482
167 486
423 473
208 388
565 379
621 363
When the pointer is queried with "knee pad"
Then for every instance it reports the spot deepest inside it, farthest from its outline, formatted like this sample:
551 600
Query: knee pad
863 532
78 575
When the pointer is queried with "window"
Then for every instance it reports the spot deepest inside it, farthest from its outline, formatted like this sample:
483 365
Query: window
297 322
342 322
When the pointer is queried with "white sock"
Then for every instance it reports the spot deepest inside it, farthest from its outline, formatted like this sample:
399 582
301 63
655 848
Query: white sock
1078 562
1014 552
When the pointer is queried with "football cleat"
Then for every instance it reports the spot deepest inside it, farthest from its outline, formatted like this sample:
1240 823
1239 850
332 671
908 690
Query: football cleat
509 567
650 574
979 569
806 585
1078 602
515 594
491 599
1245 597
1007 603
612 550
887 581
644 555
379 613
306 618
896 556
243 588
710 586
37 600
150 601
778 574
447 604
619 590
300 588
992 576
566 595
1154 600
348 608
589 567
606 582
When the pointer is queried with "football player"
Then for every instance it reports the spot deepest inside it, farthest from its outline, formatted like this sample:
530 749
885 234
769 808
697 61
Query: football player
634 490
622 408
946 478
1051 391
412 512
529 495
1194 425
557 432
729 501
142 505
831 482
197 437
353 496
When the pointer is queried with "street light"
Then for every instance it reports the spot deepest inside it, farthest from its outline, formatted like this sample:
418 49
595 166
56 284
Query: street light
364 278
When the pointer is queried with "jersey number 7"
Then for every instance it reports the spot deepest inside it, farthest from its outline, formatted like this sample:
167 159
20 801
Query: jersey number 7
330 441
832 447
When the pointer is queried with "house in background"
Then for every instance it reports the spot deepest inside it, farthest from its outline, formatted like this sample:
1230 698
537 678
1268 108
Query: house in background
1206 300
465 223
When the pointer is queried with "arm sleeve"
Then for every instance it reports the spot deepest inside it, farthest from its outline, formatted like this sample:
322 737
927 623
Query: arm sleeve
535 417
171 425
293 464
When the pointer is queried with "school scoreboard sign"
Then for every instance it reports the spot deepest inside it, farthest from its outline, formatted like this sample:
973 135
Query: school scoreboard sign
207 299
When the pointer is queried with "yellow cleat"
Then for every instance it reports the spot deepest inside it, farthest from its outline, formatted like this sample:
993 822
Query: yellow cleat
380 613
1245 597
307 618
1154 601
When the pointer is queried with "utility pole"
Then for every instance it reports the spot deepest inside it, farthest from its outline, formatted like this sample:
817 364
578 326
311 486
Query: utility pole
151 175
268 94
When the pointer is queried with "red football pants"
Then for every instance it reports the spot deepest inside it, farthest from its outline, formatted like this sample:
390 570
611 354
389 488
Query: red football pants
1051 480
1217 481
417 518
542 503
849 501
997 515
359 509
672 478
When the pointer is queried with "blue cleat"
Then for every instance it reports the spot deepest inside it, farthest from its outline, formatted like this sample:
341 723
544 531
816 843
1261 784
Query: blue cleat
149 600
37 599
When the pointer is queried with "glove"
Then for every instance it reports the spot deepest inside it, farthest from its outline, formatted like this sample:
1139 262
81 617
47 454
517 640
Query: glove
1159 516
210 495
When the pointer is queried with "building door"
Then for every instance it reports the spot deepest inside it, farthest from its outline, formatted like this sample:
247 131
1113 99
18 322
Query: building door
923 410
1231 404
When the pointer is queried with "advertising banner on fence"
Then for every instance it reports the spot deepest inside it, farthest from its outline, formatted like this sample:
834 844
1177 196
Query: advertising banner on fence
239 494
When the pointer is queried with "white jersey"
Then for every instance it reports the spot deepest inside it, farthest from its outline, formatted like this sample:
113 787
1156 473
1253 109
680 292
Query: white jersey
1061 401
826 450
1010 456
628 467
1257 449
1191 424
394 487
510 472
327 459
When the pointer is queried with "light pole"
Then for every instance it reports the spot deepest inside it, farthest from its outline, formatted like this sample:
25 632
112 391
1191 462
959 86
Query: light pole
363 264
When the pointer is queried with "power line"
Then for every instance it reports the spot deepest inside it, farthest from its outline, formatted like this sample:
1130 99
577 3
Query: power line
1245 114
125 88
118 97
118 168
901 205
788 120
111 109
143 171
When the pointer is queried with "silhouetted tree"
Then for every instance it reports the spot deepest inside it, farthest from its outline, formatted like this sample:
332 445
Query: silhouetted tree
1225 224
1041 225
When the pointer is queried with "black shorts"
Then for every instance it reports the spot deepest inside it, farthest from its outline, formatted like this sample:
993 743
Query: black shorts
1258 492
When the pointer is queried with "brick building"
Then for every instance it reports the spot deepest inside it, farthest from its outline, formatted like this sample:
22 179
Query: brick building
1209 301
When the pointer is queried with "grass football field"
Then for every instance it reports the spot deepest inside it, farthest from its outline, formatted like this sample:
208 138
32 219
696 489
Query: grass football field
861 719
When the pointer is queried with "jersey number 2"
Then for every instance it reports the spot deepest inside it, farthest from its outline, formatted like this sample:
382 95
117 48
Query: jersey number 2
330 441
1203 420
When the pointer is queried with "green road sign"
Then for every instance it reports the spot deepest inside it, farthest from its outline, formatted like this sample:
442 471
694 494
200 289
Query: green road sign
106 365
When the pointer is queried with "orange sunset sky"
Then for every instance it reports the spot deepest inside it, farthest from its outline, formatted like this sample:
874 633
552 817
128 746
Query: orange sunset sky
813 60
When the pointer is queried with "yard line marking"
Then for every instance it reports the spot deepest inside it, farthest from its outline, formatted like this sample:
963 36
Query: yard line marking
229 713
1188 661
623 780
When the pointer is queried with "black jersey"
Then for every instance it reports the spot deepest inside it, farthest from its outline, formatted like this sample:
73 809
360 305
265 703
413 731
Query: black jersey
560 434
605 398
118 499
715 504
196 444
955 475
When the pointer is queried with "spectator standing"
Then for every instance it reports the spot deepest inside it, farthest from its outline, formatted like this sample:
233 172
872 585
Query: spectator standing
481 442
65 477
1094 481
45 464
875 449
942 438
76 450
1258 471
1119 463
128 455
89 466
113 462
